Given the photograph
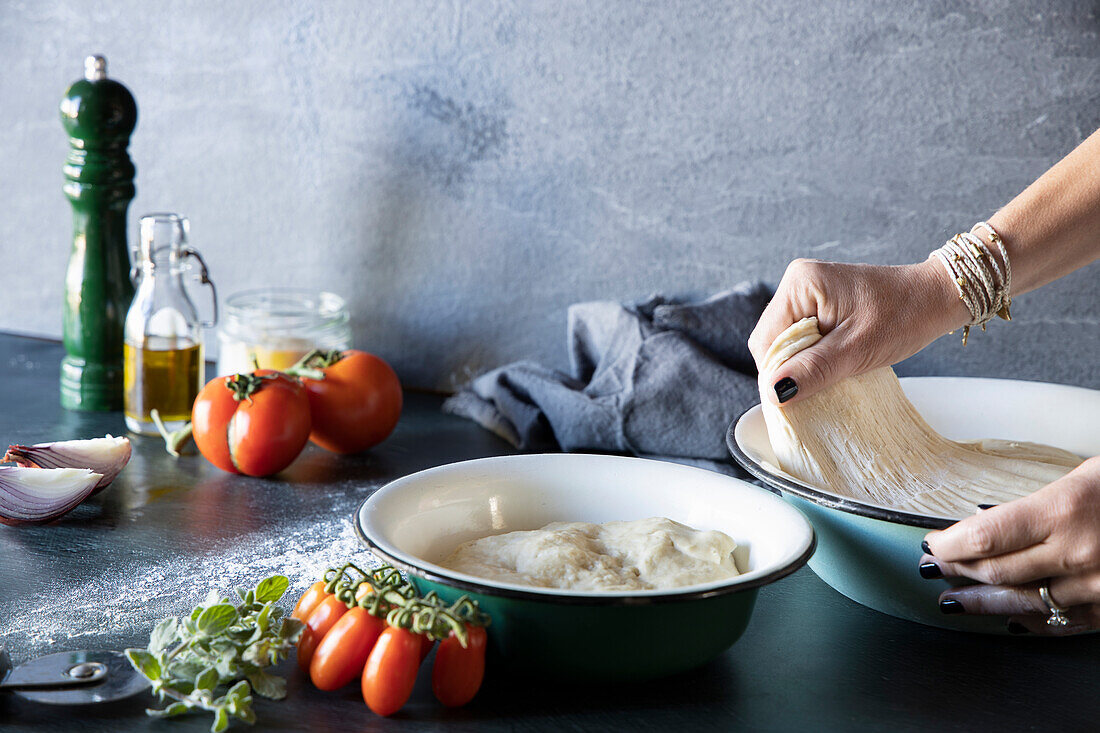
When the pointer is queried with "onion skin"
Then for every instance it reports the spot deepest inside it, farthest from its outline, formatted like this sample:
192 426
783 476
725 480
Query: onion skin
40 495
106 456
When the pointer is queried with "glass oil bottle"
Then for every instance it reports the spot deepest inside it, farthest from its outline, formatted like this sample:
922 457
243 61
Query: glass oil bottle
163 363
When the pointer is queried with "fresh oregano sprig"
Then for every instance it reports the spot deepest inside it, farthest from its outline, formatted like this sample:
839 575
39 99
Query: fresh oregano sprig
220 644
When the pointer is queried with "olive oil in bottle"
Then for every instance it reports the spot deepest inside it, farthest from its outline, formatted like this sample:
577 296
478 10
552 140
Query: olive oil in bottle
158 376
162 337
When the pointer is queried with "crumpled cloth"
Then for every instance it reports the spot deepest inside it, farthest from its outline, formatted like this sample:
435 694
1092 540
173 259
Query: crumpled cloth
661 378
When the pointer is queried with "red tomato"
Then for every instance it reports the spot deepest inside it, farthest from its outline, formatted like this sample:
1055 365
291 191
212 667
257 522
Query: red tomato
309 601
342 653
458 671
254 424
426 644
323 618
390 673
356 405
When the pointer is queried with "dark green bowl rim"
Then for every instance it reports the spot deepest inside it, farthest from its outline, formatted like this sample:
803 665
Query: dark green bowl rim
821 498
579 600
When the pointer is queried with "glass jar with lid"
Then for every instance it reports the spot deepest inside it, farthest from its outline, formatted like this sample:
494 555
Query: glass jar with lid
278 326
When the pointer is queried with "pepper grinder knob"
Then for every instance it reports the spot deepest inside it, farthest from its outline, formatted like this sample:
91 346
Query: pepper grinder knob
95 68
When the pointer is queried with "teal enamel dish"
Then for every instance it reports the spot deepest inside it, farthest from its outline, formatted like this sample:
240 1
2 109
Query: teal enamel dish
415 522
869 552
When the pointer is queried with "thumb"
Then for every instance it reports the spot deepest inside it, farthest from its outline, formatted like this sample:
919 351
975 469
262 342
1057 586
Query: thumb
809 371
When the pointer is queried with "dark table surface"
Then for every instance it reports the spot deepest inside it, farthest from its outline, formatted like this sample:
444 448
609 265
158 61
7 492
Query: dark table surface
168 530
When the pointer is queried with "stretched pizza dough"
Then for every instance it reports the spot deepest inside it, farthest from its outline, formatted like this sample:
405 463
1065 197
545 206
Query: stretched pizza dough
863 439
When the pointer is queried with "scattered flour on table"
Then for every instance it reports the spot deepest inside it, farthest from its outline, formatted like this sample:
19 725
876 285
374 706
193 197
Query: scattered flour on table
126 602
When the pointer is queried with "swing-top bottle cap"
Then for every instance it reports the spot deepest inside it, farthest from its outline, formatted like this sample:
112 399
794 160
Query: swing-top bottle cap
95 68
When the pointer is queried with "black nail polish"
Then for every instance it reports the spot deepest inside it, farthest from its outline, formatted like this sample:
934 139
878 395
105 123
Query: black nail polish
785 389
1017 628
950 606
983 507
924 546
930 571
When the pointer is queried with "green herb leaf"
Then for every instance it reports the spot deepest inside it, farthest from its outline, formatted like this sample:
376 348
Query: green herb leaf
216 619
221 720
268 685
272 589
257 654
180 686
164 635
144 662
185 668
225 646
246 714
239 691
176 708
290 629
228 668
200 645
207 679
263 620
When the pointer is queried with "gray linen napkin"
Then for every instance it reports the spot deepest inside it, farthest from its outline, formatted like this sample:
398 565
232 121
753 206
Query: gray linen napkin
660 378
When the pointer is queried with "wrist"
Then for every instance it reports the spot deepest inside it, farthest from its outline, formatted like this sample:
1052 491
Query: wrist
938 296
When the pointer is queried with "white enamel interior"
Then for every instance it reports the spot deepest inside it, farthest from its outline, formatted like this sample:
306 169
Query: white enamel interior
420 519
968 408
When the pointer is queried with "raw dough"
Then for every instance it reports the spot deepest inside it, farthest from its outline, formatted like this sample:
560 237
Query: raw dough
863 439
646 554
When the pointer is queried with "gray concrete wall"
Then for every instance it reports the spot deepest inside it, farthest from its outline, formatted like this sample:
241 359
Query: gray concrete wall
462 171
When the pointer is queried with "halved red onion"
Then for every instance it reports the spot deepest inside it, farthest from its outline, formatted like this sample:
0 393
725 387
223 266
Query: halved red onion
106 456
36 495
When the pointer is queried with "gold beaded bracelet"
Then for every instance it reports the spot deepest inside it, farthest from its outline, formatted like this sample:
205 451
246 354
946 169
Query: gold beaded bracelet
983 285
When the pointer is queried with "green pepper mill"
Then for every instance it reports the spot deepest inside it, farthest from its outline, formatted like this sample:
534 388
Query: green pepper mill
99 114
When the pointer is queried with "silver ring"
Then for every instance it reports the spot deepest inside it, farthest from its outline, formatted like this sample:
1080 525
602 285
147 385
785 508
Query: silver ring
1057 613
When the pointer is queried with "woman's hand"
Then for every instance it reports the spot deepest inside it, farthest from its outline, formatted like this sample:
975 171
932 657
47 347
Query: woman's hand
1012 548
870 316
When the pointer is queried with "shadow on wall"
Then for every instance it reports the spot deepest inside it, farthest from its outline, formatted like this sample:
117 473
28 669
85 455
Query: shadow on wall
435 146
469 135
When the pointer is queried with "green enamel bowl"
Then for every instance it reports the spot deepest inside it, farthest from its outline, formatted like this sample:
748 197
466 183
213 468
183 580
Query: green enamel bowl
869 552
417 521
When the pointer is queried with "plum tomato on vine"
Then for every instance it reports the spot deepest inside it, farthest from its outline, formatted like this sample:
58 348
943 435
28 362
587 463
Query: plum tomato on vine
390 672
318 624
309 601
343 651
255 424
458 671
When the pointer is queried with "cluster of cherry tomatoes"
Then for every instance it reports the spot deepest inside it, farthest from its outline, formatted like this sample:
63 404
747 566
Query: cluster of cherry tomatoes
381 633
258 423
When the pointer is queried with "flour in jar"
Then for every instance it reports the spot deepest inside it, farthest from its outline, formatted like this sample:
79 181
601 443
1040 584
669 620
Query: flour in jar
645 554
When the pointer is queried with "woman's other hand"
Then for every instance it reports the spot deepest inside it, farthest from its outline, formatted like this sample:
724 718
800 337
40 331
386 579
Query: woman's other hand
869 315
1012 548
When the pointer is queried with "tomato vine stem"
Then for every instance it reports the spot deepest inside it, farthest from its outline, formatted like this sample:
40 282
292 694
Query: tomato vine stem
243 386
313 364
393 598
175 439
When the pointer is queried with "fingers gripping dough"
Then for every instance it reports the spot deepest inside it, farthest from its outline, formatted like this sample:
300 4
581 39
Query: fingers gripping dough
863 439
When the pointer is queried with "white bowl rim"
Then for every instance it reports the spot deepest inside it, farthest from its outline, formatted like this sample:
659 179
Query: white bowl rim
785 483
796 559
